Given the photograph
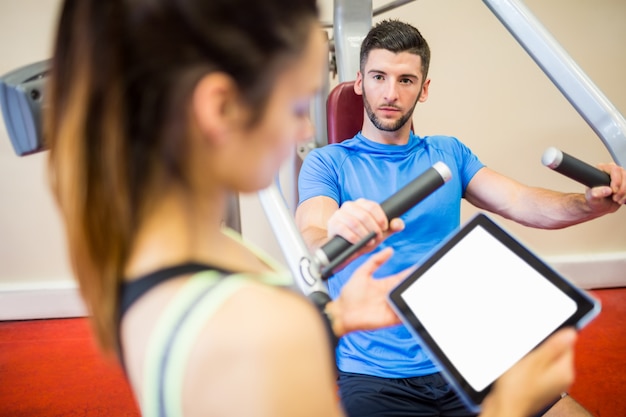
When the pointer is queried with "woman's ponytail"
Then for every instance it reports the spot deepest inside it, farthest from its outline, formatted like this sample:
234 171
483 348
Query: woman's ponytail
86 127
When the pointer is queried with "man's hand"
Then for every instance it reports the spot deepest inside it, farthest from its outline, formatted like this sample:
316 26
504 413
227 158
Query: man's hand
356 219
607 199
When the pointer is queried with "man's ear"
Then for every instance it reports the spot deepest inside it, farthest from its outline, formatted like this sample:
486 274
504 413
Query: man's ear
424 92
358 84
215 106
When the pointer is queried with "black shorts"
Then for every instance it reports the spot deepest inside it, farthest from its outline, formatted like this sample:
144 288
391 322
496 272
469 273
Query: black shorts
422 396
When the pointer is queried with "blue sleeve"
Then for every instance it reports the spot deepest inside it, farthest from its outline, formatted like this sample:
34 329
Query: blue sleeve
467 162
318 177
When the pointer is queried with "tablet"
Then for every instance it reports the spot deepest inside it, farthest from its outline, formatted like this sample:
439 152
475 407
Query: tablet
481 301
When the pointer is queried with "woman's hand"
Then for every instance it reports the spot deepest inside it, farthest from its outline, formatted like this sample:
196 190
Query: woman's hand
362 304
540 377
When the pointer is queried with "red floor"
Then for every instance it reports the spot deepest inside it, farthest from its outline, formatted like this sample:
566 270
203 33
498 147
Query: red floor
601 358
52 368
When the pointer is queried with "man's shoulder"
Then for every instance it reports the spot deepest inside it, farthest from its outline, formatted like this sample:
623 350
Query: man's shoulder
443 141
344 145
337 150
448 144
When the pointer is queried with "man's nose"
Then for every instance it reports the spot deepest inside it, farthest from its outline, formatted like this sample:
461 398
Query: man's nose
391 93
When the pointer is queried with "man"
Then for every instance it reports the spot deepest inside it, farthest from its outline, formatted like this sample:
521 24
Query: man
385 372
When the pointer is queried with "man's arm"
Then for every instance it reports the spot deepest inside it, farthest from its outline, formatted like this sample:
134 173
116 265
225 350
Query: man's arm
320 218
362 303
541 208
312 219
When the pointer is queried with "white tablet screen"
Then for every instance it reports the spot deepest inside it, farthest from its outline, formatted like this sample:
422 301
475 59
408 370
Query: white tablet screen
477 302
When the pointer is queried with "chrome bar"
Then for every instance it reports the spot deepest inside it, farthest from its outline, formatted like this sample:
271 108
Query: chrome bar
605 120
379 10
318 108
353 19
390 6
304 268
233 213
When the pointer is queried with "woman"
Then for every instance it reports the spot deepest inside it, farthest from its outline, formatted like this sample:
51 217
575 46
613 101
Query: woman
158 111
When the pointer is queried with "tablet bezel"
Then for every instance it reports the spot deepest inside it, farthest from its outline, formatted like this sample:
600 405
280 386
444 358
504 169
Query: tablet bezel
586 306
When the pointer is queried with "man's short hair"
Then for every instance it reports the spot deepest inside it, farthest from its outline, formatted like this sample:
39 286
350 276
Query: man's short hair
396 36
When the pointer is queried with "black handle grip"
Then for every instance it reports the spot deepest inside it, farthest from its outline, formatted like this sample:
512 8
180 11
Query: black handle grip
575 168
400 202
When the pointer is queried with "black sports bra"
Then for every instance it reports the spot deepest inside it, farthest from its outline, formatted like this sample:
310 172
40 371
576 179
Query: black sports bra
133 290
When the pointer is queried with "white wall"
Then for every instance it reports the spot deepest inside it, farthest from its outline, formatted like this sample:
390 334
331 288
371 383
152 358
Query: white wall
485 90
35 278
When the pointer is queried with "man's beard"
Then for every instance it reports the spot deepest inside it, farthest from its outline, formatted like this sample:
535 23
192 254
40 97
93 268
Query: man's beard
391 126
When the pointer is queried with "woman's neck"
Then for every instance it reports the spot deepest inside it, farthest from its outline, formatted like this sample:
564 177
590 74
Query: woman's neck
180 229
177 227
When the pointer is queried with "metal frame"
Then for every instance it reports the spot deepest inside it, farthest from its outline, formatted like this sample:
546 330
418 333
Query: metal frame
305 269
352 21
566 75
593 106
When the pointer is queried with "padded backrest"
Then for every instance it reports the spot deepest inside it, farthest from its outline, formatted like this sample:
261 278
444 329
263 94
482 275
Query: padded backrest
344 112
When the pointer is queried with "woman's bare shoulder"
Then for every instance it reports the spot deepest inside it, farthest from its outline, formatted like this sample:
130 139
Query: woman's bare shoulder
269 346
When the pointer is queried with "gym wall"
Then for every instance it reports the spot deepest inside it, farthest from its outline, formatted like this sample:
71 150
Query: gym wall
485 90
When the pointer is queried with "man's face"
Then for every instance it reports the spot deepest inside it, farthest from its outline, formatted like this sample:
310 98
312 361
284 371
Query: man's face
391 85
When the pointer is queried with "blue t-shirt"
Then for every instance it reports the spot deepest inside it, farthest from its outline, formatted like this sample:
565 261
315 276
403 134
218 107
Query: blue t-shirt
360 168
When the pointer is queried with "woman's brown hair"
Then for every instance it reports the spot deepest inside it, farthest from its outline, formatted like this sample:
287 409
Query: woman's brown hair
116 115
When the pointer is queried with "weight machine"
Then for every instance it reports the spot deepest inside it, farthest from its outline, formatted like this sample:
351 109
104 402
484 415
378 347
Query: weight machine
22 91
353 19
